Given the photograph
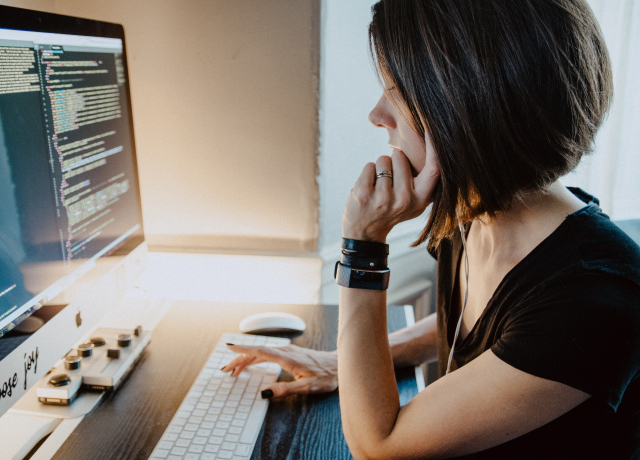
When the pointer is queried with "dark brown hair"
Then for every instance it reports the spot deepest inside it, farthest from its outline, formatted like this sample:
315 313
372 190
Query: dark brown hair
511 93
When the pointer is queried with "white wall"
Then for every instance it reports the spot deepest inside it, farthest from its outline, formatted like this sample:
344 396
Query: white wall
349 89
611 172
40 5
225 113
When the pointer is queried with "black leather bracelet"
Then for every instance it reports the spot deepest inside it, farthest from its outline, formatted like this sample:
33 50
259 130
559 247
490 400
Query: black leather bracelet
366 248
355 260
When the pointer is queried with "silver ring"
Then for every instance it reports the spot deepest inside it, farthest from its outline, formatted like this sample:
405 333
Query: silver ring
245 357
385 173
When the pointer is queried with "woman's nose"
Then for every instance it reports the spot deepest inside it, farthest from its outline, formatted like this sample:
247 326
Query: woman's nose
381 115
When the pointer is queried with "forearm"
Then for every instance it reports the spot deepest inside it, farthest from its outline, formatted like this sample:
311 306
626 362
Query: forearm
369 400
416 344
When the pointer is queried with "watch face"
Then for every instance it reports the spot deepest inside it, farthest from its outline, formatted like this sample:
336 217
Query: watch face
362 279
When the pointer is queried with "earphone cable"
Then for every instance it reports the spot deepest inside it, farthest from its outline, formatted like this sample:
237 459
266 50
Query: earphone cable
466 294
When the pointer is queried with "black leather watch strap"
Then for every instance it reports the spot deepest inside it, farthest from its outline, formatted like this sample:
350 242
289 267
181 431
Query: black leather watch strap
366 248
355 260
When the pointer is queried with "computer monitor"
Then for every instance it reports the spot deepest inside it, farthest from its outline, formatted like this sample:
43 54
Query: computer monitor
71 233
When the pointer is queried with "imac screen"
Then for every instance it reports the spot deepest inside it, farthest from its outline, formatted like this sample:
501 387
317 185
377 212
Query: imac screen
68 181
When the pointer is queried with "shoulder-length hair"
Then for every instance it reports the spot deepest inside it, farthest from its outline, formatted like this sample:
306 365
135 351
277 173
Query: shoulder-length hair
510 92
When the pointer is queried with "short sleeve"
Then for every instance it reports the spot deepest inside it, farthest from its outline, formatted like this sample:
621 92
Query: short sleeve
582 330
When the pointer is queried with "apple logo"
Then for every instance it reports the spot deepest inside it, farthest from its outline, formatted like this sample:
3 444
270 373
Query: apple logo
78 319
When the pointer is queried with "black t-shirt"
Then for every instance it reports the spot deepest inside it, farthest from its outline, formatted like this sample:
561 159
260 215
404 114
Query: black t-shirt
568 312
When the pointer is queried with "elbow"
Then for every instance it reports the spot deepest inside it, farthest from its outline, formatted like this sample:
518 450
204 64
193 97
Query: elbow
363 455
369 451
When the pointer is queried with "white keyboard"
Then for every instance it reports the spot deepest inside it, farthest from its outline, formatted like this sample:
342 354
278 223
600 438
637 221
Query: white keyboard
221 416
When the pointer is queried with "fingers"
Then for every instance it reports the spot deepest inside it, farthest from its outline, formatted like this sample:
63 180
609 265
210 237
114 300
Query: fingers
301 386
237 364
367 179
281 389
402 177
257 354
384 184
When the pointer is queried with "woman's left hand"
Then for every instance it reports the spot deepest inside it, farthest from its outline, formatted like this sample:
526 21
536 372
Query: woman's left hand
376 205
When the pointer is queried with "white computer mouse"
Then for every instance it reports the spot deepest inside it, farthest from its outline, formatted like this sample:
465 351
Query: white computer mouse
273 322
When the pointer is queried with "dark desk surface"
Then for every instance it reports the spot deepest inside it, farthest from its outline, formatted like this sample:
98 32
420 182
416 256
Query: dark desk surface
129 423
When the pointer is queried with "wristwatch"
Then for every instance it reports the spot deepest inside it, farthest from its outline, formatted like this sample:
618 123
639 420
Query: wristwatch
376 280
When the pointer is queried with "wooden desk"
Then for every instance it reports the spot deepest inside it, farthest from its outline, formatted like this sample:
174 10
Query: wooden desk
129 423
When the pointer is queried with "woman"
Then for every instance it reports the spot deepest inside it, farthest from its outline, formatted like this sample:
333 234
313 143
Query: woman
487 104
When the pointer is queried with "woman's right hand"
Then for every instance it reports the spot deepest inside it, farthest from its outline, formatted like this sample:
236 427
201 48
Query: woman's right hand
314 371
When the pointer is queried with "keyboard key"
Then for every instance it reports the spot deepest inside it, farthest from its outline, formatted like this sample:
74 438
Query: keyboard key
235 430
160 453
199 412
179 421
238 422
222 425
187 435
215 440
183 442
228 446
232 438
199 440
169 437
191 427
244 450
219 432
225 454
206 456
225 418
178 451
196 449
211 448
167 445
191 456
203 432
174 429
195 420
207 425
